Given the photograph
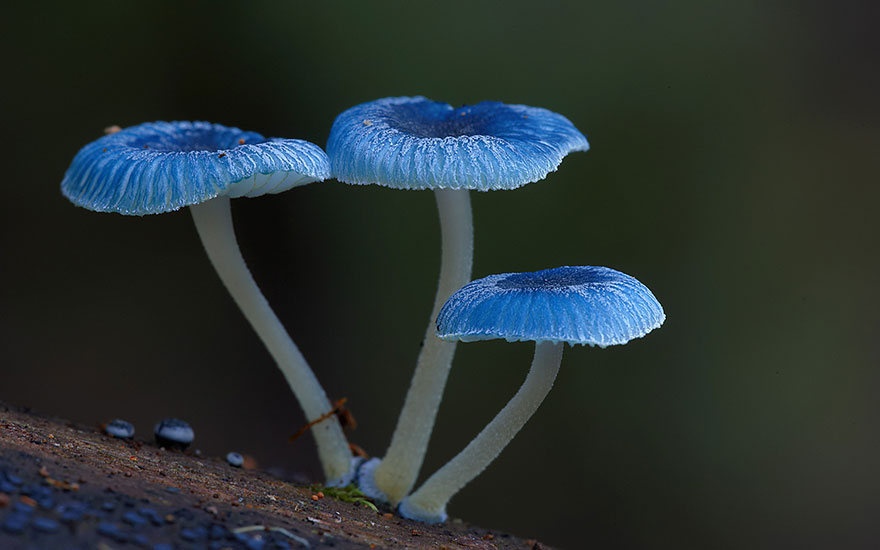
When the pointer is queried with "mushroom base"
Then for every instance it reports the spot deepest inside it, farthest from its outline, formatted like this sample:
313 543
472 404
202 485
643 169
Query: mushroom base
366 480
348 478
425 515
428 502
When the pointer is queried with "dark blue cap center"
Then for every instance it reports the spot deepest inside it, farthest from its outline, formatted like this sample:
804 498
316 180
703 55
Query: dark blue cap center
435 120
554 279
207 138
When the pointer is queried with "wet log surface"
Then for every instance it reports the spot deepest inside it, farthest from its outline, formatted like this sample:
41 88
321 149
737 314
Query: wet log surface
73 487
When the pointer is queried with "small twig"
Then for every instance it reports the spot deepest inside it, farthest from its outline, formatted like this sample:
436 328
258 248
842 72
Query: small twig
337 407
288 534
357 450
282 530
249 528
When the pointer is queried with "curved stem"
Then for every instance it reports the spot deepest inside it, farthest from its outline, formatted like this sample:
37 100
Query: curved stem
428 503
213 221
395 475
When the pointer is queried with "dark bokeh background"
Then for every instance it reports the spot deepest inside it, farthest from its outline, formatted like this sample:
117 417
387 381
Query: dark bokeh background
733 170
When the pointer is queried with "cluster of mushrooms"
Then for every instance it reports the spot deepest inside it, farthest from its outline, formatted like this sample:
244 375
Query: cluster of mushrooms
405 143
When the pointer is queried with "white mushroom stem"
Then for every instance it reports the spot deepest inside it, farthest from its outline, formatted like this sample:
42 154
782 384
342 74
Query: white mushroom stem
394 476
428 503
213 221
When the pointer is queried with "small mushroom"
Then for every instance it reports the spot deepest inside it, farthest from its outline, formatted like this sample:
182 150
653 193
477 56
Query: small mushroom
159 167
174 433
119 428
234 459
575 305
416 143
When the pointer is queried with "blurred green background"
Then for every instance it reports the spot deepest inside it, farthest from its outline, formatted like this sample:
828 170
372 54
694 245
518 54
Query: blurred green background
733 170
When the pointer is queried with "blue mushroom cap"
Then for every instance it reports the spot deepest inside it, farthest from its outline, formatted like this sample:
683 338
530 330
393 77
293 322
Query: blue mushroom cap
234 459
162 166
173 432
119 428
578 305
416 143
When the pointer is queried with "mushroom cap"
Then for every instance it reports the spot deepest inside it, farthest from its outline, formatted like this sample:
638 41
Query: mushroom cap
578 305
234 459
158 167
174 431
416 143
119 428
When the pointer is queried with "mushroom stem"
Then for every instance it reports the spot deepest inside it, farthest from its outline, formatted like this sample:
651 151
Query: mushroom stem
428 503
213 221
392 477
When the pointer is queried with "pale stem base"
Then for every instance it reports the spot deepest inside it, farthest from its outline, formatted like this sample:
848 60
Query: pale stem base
213 221
395 475
428 503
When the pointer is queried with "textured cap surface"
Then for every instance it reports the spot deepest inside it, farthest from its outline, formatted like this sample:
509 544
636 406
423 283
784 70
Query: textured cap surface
162 166
416 143
578 305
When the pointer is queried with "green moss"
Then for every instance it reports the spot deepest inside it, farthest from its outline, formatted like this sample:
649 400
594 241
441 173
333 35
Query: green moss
345 494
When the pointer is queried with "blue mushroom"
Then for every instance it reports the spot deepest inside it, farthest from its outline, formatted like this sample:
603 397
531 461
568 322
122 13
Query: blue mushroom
596 306
119 428
416 143
163 166
235 459
159 167
174 433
